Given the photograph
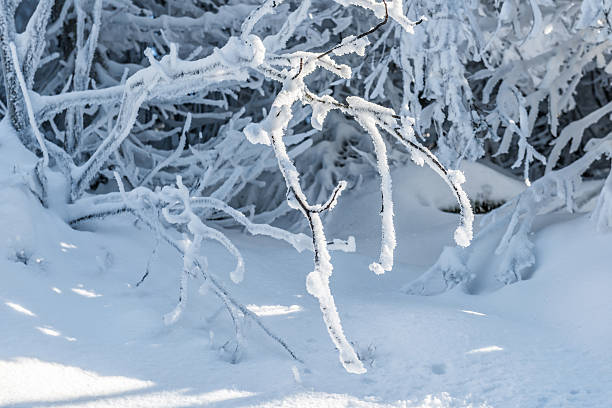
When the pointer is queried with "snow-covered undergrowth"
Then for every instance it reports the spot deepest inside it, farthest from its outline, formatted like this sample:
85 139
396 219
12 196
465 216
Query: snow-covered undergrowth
65 176
133 180
79 332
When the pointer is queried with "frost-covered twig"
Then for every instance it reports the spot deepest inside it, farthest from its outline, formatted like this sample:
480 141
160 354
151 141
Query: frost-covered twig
299 241
388 243
386 119
14 96
41 167
82 67
271 131
168 160
197 228
34 40
28 105
92 209
317 281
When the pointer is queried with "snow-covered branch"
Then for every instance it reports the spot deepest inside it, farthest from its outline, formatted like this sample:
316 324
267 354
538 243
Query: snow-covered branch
215 115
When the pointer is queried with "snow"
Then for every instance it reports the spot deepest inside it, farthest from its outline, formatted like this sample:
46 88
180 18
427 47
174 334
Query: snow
487 349
274 310
20 309
85 293
77 332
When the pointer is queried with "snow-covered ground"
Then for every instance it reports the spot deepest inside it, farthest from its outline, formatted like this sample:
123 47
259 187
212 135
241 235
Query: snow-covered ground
77 332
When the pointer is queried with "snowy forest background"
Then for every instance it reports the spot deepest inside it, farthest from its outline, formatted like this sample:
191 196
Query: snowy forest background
164 130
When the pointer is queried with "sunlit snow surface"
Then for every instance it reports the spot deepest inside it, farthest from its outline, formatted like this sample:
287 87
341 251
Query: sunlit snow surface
487 349
36 383
39 383
78 332
273 310
473 312
85 293
20 309
49 331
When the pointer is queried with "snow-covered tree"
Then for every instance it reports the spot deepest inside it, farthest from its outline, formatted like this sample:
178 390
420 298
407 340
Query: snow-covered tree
190 122
181 113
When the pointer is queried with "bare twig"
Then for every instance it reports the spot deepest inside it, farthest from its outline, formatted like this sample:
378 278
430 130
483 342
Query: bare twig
370 31
300 70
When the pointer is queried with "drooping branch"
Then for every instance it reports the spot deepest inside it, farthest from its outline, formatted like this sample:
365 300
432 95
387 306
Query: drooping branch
270 132
92 209
386 119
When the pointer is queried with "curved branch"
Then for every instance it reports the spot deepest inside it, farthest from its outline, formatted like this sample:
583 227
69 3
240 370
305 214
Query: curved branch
217 287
